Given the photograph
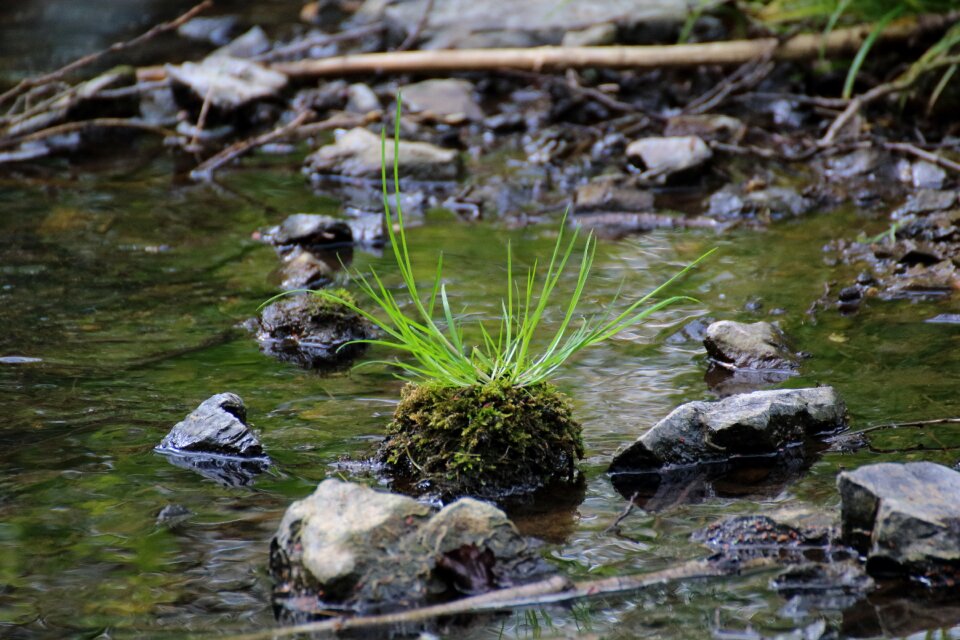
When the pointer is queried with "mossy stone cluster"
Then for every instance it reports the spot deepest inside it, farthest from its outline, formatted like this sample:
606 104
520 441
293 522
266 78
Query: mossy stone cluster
485 440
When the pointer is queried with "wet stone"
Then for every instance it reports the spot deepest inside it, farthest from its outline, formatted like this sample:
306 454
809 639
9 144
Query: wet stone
707 127
310 231
362 99
749 537
606 194
311 332
771 203
738 345
924 201
905 518
351 547
215 30
822 586
219 426
356 153
751 424
857 163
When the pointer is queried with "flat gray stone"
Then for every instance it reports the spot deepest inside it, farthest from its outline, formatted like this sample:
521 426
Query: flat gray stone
903 517
758 423
445 99
356 153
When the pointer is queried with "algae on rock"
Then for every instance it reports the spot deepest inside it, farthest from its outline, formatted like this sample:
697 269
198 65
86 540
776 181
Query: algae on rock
485 440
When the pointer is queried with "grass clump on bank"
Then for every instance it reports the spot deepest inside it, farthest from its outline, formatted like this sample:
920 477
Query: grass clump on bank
479 415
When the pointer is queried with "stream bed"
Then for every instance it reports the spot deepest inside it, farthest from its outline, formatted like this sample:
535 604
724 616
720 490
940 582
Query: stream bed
122 290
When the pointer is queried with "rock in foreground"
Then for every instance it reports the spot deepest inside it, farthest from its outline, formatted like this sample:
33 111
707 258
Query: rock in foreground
347 545
758 423
905 518
217 426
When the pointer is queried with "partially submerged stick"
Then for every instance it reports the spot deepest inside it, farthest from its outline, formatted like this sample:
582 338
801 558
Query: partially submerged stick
550 591
800 47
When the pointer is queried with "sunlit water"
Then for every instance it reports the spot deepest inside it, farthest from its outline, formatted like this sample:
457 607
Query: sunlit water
127 287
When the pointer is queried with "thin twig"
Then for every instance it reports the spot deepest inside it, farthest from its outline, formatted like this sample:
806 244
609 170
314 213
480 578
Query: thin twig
81 125
205 170
201 120
306 44
615 526
414 35
902 425
29 83
906 147
747 75
550 591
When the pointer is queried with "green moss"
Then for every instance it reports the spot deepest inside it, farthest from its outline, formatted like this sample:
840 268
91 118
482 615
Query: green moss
484 440
320 305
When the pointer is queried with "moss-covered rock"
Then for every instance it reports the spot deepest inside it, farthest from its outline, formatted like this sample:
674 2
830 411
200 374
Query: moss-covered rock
312 331
487 440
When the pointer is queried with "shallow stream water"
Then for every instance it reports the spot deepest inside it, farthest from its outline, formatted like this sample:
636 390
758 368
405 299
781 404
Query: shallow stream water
120 294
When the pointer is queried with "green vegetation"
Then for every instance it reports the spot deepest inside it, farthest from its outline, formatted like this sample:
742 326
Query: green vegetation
482 418
439 348
880 13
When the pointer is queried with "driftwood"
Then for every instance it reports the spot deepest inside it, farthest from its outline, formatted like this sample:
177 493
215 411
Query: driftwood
800 47
551 591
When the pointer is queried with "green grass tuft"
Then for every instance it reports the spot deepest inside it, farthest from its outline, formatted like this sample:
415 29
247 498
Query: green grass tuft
434 339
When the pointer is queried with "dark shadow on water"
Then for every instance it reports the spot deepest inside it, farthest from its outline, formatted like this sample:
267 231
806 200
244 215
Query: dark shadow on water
747 478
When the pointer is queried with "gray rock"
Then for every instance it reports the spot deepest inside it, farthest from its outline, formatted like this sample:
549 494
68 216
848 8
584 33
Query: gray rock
707 127
903 517
665 155
538 21
856 163
924 201
738 345
772 203
605 194
758 423
356 153
309 231
368 550
218 426
446 99
229 82
596 35
921 174
362 99
250 44
303 269
311 332
215 30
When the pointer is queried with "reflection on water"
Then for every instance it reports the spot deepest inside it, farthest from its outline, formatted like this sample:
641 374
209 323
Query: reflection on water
120 295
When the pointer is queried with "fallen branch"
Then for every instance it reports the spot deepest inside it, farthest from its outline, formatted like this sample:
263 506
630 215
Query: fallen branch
295 128
903 425
82 125
550 591
29 83
800 47
917 152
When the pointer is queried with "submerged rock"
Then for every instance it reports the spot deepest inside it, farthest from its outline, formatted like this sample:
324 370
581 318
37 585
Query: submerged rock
663 156
349 546
738 345
310 331
356 153
758 423
747 537
490 440
771 203
905 518
218 425
606 194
